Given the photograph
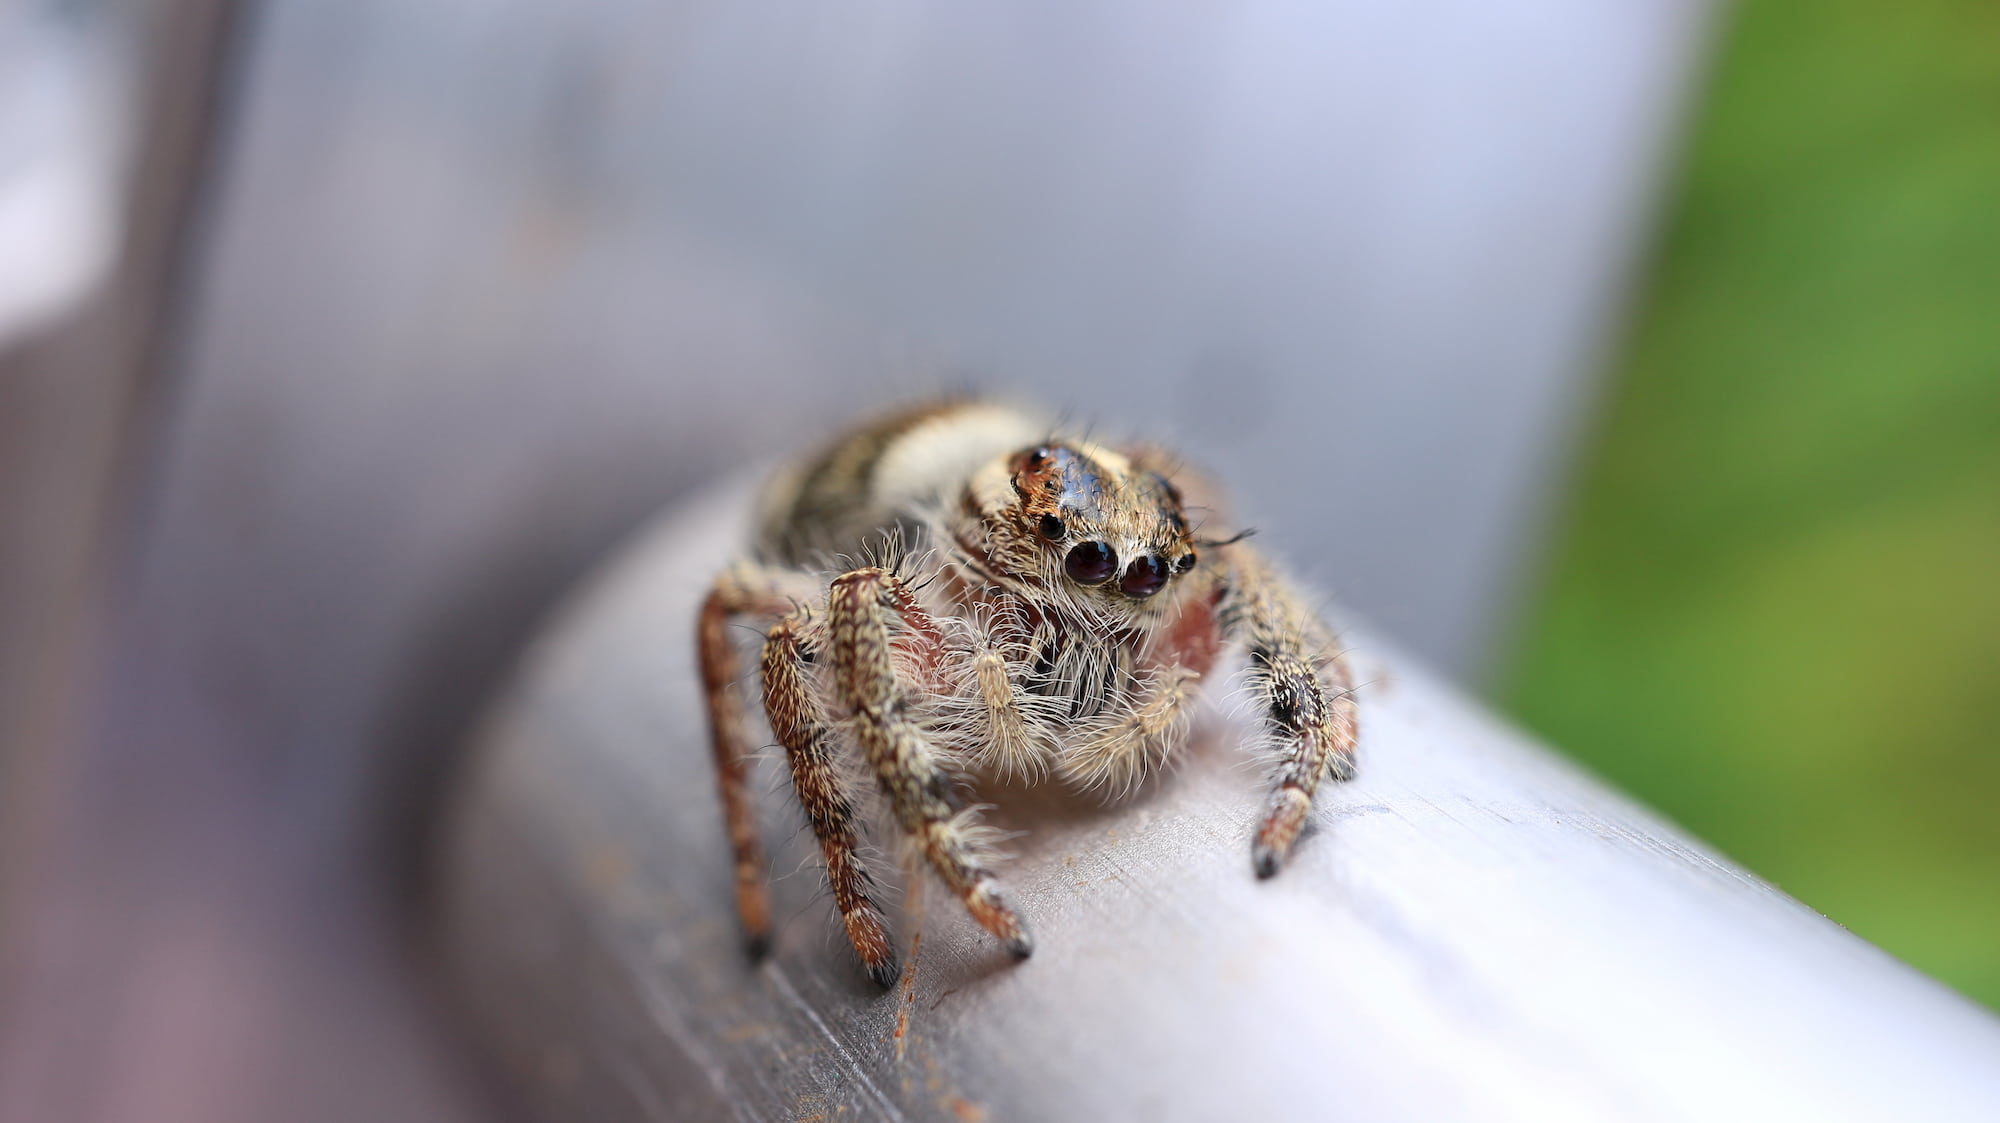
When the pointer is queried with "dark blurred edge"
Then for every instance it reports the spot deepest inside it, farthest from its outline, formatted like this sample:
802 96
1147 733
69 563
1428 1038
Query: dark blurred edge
85 404
76 399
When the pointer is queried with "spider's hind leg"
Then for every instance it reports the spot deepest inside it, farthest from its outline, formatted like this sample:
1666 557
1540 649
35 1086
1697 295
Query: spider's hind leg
743 590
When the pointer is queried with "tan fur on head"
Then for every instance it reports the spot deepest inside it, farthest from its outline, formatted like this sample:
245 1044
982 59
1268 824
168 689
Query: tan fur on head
1026 515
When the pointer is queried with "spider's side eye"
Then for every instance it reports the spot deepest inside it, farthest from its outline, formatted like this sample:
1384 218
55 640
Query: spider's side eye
1144 577
1091 563
1052 528
1186 563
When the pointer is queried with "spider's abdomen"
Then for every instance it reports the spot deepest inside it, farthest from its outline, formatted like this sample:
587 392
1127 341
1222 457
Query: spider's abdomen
882 476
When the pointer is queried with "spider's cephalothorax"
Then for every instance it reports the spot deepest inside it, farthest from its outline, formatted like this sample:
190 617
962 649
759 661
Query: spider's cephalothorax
1042 607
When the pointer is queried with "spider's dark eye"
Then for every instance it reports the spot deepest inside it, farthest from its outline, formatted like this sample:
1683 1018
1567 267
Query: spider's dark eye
1091 563
1052 528
1186 563
1144 577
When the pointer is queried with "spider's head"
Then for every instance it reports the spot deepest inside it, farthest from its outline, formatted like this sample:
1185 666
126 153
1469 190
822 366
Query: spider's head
1087 521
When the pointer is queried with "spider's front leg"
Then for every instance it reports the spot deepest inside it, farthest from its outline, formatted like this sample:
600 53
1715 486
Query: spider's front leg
799 722
1307 695
860 609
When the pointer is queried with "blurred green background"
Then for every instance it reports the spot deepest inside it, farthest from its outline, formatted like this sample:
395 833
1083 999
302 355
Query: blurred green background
1774 608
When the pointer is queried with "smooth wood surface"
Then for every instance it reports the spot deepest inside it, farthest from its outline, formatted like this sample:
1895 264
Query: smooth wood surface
1472 931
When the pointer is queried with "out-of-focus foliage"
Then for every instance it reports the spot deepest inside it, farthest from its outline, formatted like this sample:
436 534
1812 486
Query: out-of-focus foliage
1775 610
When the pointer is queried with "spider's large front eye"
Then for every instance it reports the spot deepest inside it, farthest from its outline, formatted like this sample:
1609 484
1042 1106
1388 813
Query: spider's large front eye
1090 563
1144 577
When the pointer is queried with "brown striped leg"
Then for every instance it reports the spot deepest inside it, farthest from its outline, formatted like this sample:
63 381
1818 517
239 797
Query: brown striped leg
800 724
860 608
1307 694
743 590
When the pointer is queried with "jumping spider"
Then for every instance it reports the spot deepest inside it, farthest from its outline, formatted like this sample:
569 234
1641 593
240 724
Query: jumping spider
1062 620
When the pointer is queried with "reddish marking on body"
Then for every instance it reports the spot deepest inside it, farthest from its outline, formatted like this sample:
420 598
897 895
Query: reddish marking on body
1193 639
919 642
1038 472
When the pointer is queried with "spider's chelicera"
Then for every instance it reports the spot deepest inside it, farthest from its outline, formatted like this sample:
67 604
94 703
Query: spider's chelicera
1056 616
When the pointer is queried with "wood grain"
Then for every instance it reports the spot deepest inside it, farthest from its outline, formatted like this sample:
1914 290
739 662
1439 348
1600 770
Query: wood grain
1473 930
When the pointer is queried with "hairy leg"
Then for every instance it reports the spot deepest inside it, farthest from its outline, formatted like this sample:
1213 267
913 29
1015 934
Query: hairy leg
1004 723
743 590
1136 738
1306 692
800 724
861 608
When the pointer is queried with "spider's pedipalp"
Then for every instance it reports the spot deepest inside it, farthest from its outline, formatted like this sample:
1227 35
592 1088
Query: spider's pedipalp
995 725
1135 736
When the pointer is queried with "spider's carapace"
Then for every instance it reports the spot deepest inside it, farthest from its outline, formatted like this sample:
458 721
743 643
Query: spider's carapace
1040 605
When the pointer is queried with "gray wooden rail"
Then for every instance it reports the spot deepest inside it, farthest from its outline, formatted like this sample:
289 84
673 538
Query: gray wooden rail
1474 931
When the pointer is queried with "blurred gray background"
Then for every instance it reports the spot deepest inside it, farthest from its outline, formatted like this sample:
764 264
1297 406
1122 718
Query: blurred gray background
423 305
